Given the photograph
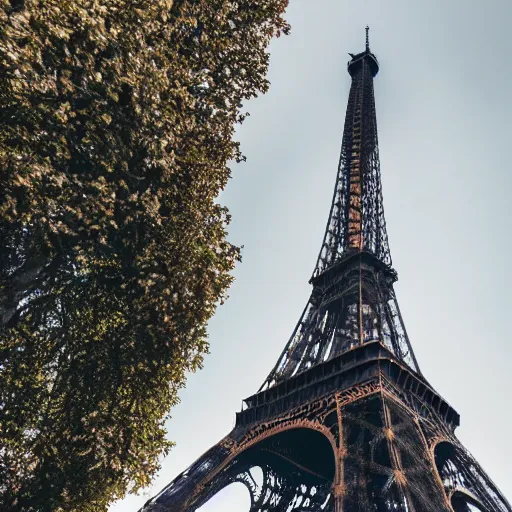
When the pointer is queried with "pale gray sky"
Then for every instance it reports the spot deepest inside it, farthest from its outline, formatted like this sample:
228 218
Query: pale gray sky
444 108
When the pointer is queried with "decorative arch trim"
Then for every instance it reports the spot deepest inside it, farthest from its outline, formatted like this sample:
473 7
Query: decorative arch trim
238 448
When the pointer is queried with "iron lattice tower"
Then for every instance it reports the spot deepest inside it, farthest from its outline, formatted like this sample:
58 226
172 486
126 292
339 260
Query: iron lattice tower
345 421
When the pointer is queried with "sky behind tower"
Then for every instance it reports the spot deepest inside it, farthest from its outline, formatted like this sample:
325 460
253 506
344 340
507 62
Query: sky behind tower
444 108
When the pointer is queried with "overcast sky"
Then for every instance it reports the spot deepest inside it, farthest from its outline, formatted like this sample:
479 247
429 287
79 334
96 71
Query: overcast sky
444 109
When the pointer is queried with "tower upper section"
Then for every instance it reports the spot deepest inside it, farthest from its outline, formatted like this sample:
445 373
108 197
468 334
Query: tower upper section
356 219
352 302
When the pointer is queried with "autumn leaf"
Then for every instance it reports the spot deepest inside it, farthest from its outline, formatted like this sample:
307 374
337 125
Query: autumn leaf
116 133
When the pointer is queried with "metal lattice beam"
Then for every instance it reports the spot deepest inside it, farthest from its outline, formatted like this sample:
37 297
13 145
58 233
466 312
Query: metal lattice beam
345 421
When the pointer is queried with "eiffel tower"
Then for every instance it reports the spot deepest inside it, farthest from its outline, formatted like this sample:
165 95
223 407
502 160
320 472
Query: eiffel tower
345 421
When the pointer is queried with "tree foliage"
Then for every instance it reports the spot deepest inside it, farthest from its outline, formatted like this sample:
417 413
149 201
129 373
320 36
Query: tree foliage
116 128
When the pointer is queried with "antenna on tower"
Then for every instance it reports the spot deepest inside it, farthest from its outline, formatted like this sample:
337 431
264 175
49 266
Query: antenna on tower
367 38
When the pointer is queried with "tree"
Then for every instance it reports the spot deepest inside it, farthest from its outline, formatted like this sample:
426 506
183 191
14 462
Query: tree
116 132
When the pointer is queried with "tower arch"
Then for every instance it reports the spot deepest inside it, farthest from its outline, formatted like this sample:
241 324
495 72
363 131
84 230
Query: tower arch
298 466
463 501
467 486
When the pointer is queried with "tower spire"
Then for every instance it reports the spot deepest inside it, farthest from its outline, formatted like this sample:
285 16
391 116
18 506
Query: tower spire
367 28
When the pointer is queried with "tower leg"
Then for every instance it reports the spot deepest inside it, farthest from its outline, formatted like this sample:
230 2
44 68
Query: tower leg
296 455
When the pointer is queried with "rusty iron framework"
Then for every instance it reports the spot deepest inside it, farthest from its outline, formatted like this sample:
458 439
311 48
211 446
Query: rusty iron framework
345 421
